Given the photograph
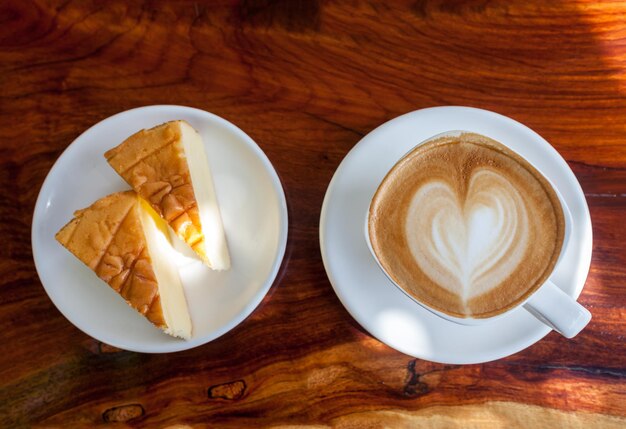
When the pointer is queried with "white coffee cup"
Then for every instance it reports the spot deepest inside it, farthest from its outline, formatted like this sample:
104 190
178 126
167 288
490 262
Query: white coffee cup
549 304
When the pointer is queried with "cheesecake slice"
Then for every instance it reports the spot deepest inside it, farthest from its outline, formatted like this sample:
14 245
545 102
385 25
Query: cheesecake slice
167 166
125 243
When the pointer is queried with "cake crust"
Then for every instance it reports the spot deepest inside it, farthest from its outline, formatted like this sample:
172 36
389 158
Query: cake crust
108 237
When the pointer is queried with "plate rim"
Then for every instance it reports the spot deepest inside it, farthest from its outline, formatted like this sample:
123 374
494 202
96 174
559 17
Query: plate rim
511 348
252 305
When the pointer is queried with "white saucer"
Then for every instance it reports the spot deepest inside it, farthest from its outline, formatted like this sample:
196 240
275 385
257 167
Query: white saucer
379 306
253 209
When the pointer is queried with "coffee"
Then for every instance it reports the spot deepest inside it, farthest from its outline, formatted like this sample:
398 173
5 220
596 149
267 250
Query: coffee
466 226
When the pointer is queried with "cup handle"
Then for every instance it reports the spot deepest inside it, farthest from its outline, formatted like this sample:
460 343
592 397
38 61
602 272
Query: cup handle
558 310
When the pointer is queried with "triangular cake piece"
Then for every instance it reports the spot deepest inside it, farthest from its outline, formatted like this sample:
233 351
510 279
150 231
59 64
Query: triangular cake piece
167 166
126 244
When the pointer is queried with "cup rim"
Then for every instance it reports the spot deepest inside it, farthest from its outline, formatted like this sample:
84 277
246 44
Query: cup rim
471 321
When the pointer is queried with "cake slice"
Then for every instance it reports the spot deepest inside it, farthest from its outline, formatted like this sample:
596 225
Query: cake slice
126 244
167 166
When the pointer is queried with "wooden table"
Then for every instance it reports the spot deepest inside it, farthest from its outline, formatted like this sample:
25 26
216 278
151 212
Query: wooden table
306 80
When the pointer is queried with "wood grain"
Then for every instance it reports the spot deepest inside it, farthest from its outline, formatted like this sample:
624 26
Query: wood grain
306 80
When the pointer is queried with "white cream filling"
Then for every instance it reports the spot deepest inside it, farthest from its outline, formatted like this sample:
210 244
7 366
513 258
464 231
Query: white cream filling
216 248
173 302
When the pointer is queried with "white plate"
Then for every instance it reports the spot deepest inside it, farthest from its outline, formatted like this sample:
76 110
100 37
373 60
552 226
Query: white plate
379 306
253 209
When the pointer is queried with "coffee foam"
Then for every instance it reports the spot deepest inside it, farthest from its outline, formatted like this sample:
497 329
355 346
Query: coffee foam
466 226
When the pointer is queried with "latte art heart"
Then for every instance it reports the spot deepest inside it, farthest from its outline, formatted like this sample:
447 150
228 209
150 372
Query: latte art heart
466 226
471 244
